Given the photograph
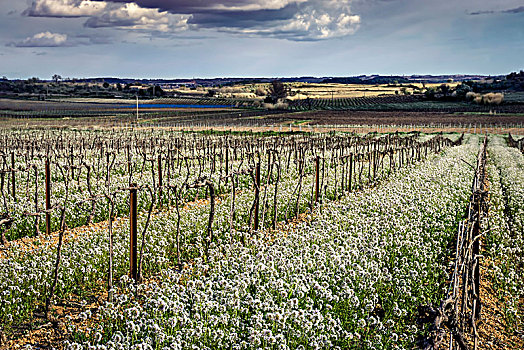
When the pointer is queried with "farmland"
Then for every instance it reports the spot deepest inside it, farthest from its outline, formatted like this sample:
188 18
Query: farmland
262 240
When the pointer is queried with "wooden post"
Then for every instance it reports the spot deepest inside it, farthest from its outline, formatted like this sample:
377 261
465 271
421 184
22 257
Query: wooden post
227 161
133 232
128 158
13 184
107 162
317 178
159 180
47 198
350 171
257 195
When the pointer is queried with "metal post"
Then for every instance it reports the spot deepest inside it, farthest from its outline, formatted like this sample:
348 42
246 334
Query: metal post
47 198
133 232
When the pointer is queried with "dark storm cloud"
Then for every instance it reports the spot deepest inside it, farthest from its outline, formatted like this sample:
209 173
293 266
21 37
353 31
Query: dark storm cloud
244 19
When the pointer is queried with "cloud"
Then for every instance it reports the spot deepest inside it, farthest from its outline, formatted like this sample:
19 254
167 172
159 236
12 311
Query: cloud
93 39
476 13
515 10
206 6
132 16
44 39
65 8
490 12
285 19
48 39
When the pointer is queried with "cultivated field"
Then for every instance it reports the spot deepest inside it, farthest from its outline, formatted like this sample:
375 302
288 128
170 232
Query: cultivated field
156 238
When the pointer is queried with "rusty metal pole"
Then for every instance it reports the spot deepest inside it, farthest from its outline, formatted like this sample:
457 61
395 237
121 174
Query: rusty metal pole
13 184
133 232
257 195
47 198
159 180
317 178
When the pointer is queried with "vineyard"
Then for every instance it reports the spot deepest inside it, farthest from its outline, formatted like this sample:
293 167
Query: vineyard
184 110
156 238
416 103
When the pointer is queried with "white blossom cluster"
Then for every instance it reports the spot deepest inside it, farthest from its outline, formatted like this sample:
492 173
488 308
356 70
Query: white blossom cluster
352 277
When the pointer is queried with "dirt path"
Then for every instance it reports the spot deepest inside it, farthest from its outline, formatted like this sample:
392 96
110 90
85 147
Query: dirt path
492 330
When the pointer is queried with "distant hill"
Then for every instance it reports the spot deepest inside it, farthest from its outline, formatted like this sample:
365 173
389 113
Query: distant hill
361 79
374 80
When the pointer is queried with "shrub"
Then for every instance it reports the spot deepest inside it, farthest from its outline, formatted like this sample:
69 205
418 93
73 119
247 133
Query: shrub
492 98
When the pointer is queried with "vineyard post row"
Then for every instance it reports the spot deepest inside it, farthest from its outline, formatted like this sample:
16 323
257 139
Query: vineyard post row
352 164
459 312
370 153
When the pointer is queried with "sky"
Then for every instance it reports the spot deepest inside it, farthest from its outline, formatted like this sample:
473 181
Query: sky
256 38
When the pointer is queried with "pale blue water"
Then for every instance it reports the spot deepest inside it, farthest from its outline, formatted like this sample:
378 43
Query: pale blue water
174 106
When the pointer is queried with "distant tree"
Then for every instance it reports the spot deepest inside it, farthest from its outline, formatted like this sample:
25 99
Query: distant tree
430 93
56 78
444 89
105 84
277 91
461 91
119 87
211 92
4 78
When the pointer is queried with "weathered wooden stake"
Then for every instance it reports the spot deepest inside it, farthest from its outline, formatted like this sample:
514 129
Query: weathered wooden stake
350 171
133 232
47 198
257 195
159 180
13 184
317 178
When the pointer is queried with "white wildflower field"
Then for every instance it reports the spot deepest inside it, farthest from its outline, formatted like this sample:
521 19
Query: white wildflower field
308 241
